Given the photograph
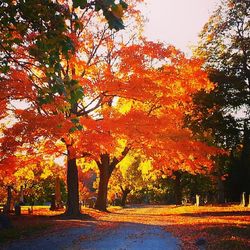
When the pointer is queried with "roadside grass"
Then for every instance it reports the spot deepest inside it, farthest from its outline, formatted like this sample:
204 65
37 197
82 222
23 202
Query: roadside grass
230 237
222 227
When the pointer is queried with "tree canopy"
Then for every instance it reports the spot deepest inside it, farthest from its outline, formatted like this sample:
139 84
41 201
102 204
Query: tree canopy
89 91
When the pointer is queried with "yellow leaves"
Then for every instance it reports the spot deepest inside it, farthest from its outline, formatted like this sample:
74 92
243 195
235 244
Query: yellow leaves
124 106
46 172
25 172
145 166
120 145
86 165
153 177
191 157
125 163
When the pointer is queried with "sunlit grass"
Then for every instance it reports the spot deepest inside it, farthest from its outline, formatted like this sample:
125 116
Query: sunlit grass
223 227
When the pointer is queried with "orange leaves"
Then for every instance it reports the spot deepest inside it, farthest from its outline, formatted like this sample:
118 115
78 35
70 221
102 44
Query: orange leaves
137 92
150 72
17 85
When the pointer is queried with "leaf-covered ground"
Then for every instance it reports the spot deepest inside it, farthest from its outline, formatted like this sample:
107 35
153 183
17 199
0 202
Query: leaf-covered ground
222 227
136 227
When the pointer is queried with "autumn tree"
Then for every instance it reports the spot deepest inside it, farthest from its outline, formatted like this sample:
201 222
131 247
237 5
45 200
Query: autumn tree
40 181
151 120
52 81
108 94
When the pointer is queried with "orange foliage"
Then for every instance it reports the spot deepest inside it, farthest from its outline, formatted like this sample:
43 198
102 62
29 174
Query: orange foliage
159 81
82 107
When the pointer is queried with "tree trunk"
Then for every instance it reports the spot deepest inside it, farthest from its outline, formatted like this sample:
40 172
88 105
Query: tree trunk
7 208
106 167
245 158
73 208
101 202
125 193
52 203
58 197
21 199
220 190
177 188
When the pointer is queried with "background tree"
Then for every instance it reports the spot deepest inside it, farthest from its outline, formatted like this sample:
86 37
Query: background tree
7 181
128 177
222 116
31 177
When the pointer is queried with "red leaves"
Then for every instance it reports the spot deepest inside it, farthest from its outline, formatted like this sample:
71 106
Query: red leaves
17 86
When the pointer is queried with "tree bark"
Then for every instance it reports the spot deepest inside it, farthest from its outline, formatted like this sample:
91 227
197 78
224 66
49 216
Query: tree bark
7 208
58 196
21 199
73 208
101 202
125 193
220 191
177 188
106 167
245 158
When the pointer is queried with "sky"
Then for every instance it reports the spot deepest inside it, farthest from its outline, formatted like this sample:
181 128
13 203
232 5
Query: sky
177 22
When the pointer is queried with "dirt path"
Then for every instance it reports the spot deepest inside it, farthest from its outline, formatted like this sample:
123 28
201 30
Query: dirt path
132 228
